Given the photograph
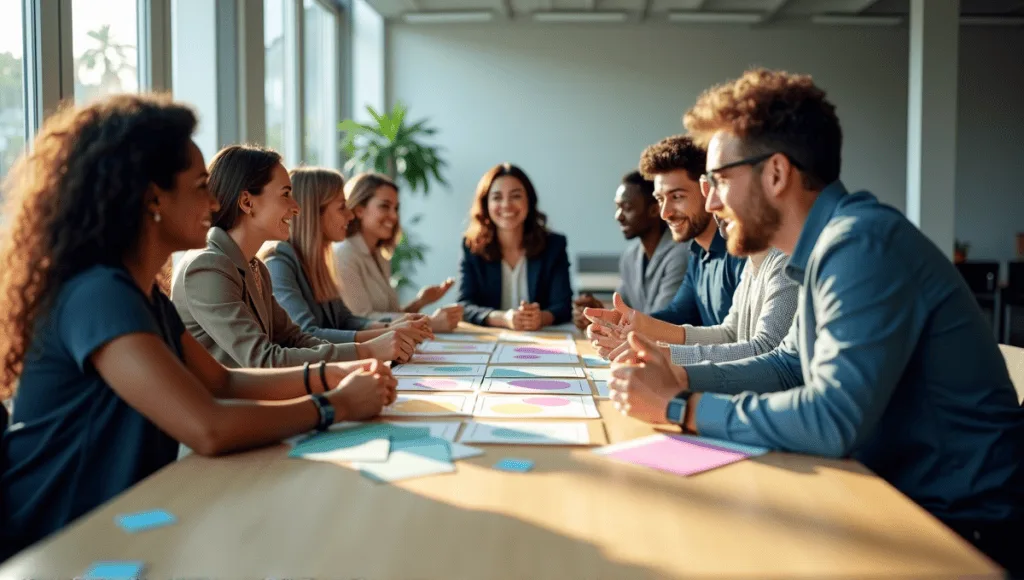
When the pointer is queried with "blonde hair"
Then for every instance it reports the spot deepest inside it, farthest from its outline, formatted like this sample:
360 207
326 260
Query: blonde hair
315 187
358 192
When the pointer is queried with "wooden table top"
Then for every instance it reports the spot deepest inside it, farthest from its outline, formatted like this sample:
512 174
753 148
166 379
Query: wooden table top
576 515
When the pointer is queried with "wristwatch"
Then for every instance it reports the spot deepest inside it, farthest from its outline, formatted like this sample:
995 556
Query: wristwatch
676 410
326 411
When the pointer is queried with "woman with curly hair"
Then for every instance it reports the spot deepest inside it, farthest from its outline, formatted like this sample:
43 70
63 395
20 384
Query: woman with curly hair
363 260
108 380
514 273
304 278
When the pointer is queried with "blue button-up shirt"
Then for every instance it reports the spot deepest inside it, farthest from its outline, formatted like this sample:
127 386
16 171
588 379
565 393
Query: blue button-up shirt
889 361
705 296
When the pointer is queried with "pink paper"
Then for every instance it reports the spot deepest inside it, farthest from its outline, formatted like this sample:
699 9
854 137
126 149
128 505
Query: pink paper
677 456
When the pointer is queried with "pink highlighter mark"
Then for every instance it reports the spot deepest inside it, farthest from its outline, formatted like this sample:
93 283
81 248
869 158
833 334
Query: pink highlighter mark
538 350
436 384
527 356
547 401
540 385
431 358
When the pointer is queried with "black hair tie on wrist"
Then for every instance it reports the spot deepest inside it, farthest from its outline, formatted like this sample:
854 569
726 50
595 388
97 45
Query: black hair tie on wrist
305 378
323 375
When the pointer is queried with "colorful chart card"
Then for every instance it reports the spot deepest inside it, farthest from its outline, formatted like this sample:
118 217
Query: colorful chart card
520 433
442 347
467 337
536 407
415 405
438 383
540 386
602 389
459 359
442 370
519 336
592 360
538 372
599 374
534 354
446 430
676 454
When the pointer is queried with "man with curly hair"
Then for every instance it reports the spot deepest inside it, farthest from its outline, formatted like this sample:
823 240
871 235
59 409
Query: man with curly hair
889 359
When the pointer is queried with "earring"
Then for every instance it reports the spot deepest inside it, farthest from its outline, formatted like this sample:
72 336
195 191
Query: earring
157 217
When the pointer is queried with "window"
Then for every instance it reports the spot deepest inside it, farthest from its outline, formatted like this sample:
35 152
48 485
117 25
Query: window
274 71
320 76
367 60
104 43
12 85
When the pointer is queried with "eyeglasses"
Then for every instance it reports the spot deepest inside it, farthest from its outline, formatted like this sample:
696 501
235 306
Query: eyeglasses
708 181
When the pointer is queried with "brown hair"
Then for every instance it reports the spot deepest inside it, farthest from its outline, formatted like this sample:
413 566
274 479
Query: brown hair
315 187
774 111
672 154
235 169
358 192
77 200
482 235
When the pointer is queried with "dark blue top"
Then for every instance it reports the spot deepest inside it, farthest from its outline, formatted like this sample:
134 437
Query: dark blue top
706 294
890 361
73 443
547 278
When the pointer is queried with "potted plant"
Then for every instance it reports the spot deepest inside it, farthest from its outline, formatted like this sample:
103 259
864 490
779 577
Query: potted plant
391 146
960 249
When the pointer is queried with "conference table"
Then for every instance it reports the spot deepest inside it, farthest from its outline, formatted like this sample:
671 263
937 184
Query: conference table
260 514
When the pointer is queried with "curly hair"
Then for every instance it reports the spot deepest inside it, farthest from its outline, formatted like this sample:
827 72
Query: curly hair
671 154
238 168
774 111
77 200
481 236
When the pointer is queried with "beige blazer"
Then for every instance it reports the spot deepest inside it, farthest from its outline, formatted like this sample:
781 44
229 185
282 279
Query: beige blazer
365 279
215 293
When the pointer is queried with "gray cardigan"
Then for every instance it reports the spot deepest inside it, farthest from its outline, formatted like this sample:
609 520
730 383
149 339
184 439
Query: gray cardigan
331 321
652 289
215 293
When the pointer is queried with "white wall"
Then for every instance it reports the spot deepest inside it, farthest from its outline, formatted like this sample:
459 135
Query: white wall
990 142
575 106
367 60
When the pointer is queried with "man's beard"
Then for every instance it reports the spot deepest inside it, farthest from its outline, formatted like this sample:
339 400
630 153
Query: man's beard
754 227
694 227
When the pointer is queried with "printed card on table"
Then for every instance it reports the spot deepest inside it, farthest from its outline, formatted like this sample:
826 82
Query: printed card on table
539 337
535 354
535 372
544 386
600 374
416 405
602 389
441 370
438 383
465 337
450 359
444 347
523 433
536 407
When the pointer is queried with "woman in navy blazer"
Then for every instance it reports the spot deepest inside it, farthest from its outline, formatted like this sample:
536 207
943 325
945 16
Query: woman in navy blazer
514 273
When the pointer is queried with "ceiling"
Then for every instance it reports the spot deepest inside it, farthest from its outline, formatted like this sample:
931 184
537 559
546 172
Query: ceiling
760 12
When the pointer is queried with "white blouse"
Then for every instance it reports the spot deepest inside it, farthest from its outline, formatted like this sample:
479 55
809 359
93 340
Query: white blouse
513 285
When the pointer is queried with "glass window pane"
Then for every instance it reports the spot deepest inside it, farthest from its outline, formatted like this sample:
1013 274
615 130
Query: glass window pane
321 85
104 43
12 85
274 77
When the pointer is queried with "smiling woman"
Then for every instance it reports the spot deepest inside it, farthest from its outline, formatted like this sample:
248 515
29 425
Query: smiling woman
223 293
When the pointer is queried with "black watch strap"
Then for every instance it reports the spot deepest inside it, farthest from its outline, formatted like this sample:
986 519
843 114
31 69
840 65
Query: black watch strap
326 411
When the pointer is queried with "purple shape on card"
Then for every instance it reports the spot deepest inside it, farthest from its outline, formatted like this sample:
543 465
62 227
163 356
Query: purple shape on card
541 385
538 350
547 401
436 383
675 455
527 356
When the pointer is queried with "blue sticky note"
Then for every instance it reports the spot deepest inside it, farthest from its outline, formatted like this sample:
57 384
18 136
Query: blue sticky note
114 570
143 521
516 465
